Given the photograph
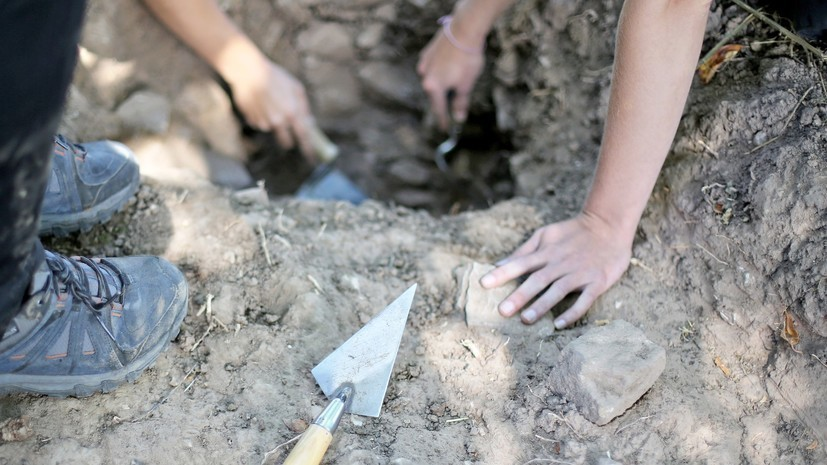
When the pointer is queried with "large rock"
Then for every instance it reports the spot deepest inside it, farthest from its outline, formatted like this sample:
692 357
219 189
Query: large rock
607 370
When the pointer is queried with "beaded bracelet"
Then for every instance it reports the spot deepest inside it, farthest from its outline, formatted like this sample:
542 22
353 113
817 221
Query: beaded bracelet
445 22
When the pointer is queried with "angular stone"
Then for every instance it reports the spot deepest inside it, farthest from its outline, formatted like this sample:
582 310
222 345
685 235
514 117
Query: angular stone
370 36
207 108
145 112
411 172
478 303
607 369
396 83
326 40
334 90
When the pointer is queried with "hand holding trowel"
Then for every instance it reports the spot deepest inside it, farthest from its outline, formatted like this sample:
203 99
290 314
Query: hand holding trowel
355 377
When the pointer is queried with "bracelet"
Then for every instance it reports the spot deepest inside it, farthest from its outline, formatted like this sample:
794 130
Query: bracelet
445 22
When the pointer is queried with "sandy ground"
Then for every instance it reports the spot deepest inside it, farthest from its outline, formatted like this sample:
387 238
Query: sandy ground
735 235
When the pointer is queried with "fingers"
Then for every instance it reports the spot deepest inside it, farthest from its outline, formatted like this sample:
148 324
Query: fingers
535 284
576 311
460 106
279 126
437 96
512 269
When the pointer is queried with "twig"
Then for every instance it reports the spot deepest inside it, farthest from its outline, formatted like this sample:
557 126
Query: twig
282 240
711 254
786 123
455 420
724 40
201 339
636 262
315 284
501 344
783 30
264 245
819 360
544 439
190 384
559 418
632 423
548 461
166 397
321 230
268 454
709 149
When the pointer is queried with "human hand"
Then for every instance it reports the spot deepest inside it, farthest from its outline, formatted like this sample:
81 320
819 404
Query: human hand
582 254
443 67
271 99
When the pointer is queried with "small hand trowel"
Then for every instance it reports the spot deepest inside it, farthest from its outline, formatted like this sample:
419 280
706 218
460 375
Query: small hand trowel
355 377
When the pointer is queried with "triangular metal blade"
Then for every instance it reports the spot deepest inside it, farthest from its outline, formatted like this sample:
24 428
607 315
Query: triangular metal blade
366 359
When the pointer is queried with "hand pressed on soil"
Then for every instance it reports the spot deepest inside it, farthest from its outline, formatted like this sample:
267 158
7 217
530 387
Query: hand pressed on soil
581 254
443 67
271 99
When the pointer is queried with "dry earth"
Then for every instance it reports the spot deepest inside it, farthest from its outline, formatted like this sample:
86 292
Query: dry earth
735 235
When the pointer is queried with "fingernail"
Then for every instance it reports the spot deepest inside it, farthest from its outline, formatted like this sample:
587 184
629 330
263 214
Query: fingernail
487 281
559 323
529 316
506 308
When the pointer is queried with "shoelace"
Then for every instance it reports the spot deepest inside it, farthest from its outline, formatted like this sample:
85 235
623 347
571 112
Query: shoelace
77 283
77 149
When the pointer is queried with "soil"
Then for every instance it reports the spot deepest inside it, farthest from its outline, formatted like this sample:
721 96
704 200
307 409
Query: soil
732 244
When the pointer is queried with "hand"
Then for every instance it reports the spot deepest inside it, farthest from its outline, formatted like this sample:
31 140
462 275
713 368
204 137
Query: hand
444 67
271 99
582 254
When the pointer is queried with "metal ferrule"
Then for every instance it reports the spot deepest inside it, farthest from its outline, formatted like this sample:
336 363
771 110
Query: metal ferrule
330 416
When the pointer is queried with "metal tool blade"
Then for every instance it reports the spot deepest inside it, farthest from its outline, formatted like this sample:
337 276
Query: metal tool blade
366 359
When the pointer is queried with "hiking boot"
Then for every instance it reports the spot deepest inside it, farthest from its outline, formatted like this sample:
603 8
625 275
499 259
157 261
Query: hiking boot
88 325
89 183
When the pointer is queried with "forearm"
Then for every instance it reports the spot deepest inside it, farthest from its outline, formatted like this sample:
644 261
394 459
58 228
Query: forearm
658 46
209 32
473 19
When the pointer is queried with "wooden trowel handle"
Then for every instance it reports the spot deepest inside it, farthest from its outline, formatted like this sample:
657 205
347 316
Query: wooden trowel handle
311 447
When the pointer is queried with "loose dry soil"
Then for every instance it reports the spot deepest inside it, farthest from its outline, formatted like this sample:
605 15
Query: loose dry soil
734 236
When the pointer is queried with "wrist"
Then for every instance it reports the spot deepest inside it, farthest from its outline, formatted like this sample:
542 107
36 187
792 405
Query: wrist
471 26
621 225
238 60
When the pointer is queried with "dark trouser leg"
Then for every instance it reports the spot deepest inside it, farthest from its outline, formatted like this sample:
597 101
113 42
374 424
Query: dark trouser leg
38 50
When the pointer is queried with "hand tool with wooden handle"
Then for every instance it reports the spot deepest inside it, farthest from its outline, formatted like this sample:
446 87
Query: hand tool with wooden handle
355 377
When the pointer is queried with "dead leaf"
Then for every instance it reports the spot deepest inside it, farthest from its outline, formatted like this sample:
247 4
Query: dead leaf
790 334
813 445
710 66
720 364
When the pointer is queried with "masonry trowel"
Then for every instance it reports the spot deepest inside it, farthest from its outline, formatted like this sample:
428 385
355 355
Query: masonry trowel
355 377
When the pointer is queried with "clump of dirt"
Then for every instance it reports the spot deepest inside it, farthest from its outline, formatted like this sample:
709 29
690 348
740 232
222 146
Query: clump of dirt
732 241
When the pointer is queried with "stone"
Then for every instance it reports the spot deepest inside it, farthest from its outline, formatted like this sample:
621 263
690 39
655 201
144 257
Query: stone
396 83
326 40
606 370
208 109
145 112
411 172
478 303
370 36
415 198
334 90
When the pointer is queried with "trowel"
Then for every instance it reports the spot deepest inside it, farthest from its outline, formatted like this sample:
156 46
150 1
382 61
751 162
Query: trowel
327 182
355 377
